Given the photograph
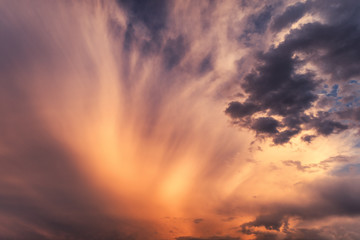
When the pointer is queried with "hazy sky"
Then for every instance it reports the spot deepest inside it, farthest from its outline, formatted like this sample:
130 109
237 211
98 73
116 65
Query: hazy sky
180 120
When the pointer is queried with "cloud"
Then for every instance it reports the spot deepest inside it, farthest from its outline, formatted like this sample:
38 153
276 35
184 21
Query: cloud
42 195
327 127
198 220
274 87
257 23
113 122
266 236
97 133
330 197
308 138
265 125
261 20
285 136
297 164
281 85
209 238
239 110
152 14
206 64
291 15
174 51
270 222
307 234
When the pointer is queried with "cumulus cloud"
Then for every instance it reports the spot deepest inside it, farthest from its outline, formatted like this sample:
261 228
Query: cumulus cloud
281 85
330 197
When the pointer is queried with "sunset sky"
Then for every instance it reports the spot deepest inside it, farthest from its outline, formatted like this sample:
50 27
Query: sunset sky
180 120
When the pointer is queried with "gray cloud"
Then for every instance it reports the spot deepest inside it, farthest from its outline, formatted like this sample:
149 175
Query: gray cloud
331 197
257 23
308 138
174 51
153 14
209 238
291 15
265 125
275 87
206 64
239 110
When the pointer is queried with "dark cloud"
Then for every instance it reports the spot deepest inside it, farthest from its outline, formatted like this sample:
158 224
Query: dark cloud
261 20
239 110
153 14
334 48
198 220
335 12
308 138
270 222
209 238
303 233
294 121
291 15
333 45
256 24
129 37
343 196
350 113
295 234
276 87
266 236
327 127
330 233
331 197
265 125
206 64
174 51
285 136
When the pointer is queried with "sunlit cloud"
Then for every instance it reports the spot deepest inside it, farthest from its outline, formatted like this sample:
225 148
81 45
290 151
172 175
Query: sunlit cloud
179 120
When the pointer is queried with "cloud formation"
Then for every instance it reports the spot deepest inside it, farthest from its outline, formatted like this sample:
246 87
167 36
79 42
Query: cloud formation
282 84
115 120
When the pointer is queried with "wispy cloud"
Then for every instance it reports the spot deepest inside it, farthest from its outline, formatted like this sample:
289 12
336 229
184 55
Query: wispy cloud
152 120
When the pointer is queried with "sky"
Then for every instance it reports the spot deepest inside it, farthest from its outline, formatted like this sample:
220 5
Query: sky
180 120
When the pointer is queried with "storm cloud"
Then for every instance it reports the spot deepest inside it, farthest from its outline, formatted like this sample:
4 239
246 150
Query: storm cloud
281 84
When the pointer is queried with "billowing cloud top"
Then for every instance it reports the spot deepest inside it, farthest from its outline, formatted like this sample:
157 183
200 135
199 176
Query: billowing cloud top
180 120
